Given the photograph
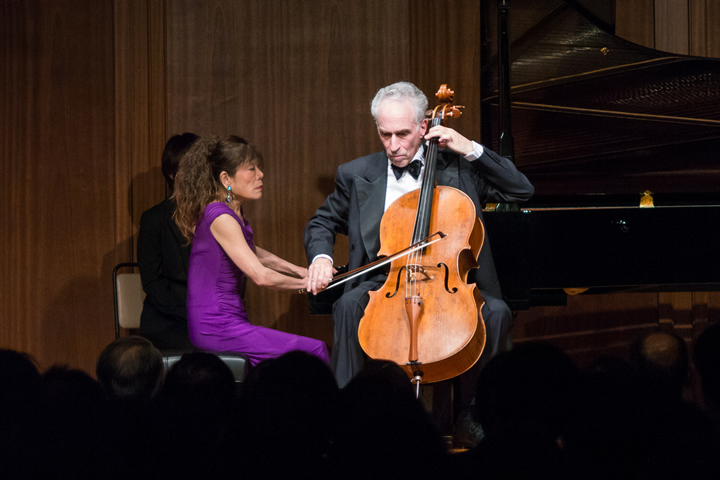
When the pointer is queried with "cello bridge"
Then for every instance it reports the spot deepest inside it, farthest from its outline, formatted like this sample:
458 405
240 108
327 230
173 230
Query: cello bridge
414 269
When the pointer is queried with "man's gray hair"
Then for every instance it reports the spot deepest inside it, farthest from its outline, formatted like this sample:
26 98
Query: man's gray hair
401 91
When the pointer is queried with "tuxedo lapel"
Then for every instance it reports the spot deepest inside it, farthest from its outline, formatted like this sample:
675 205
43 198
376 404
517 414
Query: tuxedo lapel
370 190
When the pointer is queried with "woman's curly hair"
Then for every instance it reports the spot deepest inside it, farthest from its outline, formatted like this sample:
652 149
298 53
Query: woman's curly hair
197 182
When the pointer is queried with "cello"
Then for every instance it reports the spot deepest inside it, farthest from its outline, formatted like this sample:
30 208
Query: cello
425 317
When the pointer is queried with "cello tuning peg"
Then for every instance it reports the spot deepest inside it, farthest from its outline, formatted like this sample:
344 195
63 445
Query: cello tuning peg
456 111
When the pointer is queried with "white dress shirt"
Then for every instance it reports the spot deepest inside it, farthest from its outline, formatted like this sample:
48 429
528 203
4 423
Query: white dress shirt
396 188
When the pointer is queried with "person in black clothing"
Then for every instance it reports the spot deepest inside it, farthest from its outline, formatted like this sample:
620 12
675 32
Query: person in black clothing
706 357
367 186
163 258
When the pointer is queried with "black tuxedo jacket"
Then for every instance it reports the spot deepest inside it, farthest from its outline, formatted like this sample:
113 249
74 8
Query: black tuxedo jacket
356 206
163 258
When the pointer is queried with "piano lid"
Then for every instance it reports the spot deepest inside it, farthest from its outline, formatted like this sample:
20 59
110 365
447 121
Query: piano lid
593 113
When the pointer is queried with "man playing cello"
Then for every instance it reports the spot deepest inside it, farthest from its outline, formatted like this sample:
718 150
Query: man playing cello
367 186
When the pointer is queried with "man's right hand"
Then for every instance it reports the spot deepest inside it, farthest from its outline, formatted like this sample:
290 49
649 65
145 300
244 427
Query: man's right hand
320 273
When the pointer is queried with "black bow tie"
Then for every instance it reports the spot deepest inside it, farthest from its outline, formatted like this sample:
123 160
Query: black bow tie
413 167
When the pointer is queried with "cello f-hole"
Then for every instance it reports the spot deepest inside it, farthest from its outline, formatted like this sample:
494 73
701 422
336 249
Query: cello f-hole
397 283
447 277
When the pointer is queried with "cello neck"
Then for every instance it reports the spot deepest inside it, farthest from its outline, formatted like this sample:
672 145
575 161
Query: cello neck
422 219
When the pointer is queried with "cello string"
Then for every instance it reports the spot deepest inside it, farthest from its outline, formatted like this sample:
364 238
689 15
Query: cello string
416 259
425 209
412 260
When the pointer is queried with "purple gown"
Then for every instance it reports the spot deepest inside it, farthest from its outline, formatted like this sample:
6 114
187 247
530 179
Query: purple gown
217 319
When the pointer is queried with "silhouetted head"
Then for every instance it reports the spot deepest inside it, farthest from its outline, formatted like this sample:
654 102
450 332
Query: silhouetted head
706 355
200 377
20 384
18 374
388 371
130 369
297 387
174 149
72 393
661 363
286 412
382 430
534 383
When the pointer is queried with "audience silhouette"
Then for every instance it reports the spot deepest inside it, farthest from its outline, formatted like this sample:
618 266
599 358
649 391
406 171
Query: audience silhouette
706 356
525 398
73 414
542 417
130 371
20 386
285 417
632 421
192 415
381 429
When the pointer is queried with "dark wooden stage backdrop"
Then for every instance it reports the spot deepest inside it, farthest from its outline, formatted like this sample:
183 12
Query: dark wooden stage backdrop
91 89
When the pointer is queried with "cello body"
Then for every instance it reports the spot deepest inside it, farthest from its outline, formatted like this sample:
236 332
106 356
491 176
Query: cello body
426 318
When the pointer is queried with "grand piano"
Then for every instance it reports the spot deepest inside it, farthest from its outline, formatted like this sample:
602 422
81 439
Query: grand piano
622 144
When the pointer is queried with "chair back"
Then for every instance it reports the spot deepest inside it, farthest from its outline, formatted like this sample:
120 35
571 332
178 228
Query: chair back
129 298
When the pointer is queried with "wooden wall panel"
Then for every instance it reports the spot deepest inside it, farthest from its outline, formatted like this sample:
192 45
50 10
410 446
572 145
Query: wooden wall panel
705 28
445 48
296 78
698 27
671 26
58 177
16 43
687 27
140 115
635 21
157 127
131 124
712 22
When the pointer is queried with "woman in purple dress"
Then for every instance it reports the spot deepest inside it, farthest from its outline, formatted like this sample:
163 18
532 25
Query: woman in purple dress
215 178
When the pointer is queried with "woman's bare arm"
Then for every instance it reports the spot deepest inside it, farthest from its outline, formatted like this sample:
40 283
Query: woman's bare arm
272 261
229 235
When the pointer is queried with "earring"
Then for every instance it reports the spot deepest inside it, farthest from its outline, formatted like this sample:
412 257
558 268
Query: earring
228 197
